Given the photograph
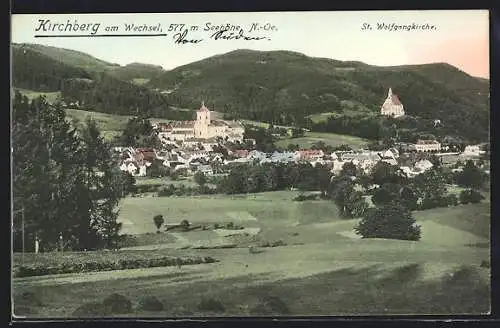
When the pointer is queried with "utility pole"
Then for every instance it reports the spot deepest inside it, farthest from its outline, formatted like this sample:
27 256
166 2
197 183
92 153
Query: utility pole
22 227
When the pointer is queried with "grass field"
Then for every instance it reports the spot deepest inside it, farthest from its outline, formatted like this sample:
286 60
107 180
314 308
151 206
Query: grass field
368 277
331 139
322 117
323 268
110 125
187 182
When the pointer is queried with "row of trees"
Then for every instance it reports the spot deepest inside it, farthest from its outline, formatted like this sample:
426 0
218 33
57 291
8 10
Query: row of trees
107 94
66 184
248 178
402 129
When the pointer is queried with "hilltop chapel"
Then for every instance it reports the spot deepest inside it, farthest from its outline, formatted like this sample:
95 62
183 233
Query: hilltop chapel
392 106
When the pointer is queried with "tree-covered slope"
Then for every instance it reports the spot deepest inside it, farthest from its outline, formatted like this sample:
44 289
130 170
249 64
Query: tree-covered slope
285 87
135 71
82 79
35 71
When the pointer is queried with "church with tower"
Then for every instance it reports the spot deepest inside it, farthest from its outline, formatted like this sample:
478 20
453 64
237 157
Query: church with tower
203 128
392 105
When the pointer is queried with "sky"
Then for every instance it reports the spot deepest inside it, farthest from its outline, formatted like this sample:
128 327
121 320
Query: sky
459 37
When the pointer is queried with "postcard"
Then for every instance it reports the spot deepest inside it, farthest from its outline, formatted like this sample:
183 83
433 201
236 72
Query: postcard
250 164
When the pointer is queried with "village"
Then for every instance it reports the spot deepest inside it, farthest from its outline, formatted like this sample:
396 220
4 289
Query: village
207 145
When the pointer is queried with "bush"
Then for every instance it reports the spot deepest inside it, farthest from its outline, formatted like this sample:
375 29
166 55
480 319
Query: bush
485 264
211 305
392 221
167 191
452 200
158 221
92 309
116 303
274 243
270 305
470 196
185 225
302 197
148 188
150 303
105 265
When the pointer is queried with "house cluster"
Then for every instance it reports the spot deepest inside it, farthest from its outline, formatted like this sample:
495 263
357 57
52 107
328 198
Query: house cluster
210 158
202 129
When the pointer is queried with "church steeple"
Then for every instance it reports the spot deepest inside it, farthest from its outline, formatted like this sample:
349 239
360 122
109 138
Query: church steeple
203 108
389 94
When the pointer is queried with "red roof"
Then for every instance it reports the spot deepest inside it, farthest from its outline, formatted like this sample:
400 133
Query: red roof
310 152
241 152
395 100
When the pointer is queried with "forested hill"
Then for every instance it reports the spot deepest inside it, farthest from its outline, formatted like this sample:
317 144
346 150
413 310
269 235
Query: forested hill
281 87
285 87
95 84
66 56
137 72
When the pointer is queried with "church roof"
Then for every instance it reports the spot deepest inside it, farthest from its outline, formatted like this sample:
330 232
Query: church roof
203 108
395 100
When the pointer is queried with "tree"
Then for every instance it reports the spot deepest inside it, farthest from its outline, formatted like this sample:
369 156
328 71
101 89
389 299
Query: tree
430 187
436 162
200 178
409 197
350 202
386 173
128 183
185 225
158 220
348 170
386 194
391 221
102 178
470 177
157 169
470 196
65 179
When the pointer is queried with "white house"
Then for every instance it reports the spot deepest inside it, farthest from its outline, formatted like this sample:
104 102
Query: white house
134 168
423 165
473 150
427 146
